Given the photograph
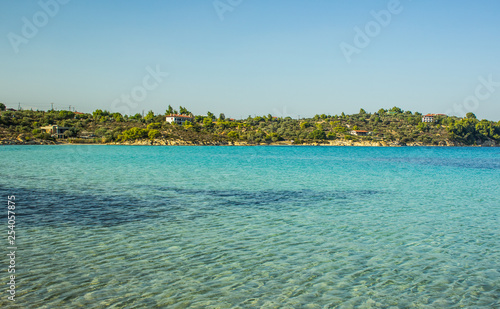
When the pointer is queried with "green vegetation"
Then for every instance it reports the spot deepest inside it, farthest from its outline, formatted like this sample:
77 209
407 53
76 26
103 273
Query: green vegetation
133 134
471 131
393 126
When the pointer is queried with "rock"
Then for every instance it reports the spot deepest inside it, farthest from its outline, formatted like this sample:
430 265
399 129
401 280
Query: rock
21 138
489 143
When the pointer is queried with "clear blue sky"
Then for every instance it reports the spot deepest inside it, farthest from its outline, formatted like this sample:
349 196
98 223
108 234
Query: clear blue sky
278 57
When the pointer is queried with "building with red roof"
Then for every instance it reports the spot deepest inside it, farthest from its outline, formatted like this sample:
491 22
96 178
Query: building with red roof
430 117
178 119
359 132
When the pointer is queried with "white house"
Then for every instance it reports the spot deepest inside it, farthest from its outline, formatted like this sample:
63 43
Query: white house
430 117
179 119
359 132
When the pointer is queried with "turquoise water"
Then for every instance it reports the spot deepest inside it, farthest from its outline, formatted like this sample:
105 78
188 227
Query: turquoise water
253 227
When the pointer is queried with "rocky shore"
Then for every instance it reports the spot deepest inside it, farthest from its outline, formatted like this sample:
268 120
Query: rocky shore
20 140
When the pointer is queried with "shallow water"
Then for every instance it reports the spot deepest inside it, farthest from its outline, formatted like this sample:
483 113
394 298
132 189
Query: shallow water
247 227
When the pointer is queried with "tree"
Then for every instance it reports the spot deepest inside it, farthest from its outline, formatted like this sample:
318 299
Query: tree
258 119
362 111
97 114
233 135
331 136
396 110
118 117
137 116
170 110
317 134
134 133
66 115
2 107
207 122
45 136
274 137
340 129
72 132
154 126
470 116
152 134
183 110
222 116
210 115
149 116
423 127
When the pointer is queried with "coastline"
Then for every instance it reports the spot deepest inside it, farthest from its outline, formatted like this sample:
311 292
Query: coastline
386 128
166 142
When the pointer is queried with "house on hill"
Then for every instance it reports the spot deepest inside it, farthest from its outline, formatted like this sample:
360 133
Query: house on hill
55 131
178 119
359 132
430 117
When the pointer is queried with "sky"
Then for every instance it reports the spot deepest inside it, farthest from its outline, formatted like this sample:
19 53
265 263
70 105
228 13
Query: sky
241 57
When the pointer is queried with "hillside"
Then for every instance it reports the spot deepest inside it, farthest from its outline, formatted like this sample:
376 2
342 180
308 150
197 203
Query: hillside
385 127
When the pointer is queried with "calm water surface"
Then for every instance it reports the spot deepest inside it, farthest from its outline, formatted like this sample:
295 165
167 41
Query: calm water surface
253 227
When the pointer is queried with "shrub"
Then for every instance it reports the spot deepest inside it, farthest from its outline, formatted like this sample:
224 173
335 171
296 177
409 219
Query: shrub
71 132
154 126
331 136
317 134
340 129
65 115
152 134
233 135
45 136
133 134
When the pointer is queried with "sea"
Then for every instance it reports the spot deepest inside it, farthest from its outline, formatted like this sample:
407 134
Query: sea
250 227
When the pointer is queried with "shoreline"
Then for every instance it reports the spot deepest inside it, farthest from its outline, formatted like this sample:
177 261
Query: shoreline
146 142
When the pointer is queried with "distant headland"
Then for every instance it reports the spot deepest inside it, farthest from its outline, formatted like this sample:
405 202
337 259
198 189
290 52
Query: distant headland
392 127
